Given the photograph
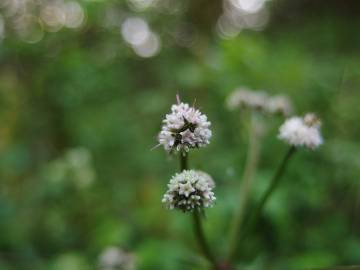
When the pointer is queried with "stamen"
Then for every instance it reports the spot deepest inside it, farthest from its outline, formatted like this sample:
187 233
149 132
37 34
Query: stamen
178 98
156 146
194 103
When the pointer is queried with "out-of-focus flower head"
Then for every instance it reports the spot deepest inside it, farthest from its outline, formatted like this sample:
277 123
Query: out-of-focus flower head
302 131
114 258
190 190
184 128
244 98
279 105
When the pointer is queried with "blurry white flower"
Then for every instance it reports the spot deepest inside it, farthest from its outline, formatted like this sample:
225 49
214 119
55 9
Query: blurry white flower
244 98
184 128
113 258
304 131
279 105
189 190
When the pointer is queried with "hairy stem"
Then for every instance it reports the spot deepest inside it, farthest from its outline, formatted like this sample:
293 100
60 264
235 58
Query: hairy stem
246 185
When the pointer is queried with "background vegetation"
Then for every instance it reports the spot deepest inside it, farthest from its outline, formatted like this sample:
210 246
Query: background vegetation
81 106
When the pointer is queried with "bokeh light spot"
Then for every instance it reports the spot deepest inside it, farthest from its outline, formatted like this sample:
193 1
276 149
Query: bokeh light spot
135 31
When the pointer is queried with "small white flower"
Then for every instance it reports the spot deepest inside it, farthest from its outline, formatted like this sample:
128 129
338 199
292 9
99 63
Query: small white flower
186 189
189 190
184 128
298 131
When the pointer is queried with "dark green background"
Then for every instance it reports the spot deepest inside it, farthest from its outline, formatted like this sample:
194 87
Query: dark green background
66 92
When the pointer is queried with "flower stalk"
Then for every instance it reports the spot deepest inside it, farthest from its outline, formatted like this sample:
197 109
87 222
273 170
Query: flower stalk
200 236
246 184
185 128
183 162
198 228
273 184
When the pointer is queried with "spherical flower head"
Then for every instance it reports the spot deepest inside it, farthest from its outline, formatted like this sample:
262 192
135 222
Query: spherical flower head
184 128
302 131
190 190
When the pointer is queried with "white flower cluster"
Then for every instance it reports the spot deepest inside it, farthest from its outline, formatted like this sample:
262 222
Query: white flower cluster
190 190
302 131
259 100
242 98
184 128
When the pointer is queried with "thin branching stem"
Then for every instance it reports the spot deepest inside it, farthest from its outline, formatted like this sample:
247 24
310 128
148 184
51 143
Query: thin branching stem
251 225
273 184
246 184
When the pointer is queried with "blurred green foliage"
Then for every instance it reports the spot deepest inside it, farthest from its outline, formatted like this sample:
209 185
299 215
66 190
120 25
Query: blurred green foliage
80 112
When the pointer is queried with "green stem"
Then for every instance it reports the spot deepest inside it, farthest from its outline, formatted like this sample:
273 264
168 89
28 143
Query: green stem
199 231
183 161
273 184
246 184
